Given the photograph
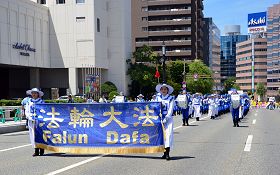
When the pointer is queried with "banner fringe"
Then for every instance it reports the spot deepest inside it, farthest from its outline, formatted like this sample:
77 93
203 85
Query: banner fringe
102 150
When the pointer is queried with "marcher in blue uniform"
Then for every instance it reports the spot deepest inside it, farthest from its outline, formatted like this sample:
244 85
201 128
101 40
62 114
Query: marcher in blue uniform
154 97
197 102
167 110
23 107
211 111
30 110
235 105
140 98
183 103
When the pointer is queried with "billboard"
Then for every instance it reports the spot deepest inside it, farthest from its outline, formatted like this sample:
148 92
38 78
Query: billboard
92 83
257 22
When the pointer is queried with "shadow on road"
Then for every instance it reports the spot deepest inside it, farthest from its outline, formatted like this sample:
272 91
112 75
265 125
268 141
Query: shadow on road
69 155
118 156
151 157
240 126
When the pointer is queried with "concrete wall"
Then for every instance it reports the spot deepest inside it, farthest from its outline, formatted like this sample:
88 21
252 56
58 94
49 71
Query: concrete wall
22 21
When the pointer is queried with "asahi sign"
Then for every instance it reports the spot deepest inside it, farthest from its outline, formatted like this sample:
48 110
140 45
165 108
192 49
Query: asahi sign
24 48
257 22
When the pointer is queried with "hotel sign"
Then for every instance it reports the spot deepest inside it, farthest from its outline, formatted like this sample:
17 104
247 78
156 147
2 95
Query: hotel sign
257 22
25 48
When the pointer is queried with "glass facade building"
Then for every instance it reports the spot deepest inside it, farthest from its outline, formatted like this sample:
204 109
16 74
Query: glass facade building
211 49
228 54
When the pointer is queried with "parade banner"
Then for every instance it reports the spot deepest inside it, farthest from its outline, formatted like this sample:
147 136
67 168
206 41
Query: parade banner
119 128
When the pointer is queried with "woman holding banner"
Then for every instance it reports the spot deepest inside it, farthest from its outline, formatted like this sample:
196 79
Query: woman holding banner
167 101
36 95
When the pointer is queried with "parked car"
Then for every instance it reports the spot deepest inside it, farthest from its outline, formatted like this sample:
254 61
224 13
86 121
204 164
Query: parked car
64 98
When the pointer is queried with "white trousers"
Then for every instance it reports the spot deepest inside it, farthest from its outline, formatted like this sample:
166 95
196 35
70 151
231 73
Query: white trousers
197 111
168 133
31 126
211 111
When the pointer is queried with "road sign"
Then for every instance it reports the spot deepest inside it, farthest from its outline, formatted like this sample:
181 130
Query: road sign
195 76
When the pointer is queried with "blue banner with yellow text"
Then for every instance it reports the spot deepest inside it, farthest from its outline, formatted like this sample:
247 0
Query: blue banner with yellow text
119 128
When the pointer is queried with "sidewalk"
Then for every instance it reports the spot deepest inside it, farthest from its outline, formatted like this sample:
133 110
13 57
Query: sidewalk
12 126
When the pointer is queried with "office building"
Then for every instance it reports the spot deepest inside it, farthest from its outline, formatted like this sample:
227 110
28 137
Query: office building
228 50
53 43
273 50
245 73
178 23
211 50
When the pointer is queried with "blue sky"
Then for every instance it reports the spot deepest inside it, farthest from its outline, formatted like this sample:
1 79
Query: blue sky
227 12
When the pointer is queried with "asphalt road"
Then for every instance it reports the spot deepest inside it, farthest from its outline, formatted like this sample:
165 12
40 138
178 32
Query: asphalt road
206 147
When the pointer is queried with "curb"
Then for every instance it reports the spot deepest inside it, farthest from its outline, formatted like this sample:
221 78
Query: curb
12 128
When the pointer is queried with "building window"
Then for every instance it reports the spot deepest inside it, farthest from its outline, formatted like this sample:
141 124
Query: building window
60 1
144 9
80 19
144 28
80 1
144 18
98 25
41 1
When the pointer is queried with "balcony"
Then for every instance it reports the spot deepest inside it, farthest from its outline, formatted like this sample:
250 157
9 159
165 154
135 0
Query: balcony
169 12
169 32
167 2
176 53
170 22
168 43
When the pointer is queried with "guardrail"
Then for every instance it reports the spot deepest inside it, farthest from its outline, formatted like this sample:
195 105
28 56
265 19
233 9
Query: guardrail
5 113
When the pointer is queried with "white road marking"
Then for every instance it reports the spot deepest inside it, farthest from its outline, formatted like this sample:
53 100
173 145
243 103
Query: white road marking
76 165
248 143
190 123
8 149
95 158
256 114
254 121
15 133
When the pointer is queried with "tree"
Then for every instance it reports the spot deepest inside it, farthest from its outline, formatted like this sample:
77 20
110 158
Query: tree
175 76
175 70
230 83
112 94
202 85
261 90
108 87
141 71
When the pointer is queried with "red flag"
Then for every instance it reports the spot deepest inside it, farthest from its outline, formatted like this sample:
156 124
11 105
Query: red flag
157 75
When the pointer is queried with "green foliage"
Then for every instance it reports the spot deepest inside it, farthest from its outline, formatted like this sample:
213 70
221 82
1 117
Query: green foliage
202 85
144 54
177 86
261 90
175 75
142 71
111 94
108 87
176 70
55 101
10 102
236 86
230 83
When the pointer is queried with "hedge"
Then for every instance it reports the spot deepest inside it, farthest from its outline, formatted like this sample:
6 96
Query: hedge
4 102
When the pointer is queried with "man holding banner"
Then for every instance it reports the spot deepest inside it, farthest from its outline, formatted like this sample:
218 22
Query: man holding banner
36 95
167 110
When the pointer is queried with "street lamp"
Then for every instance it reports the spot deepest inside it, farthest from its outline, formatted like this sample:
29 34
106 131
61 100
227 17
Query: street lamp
162 60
